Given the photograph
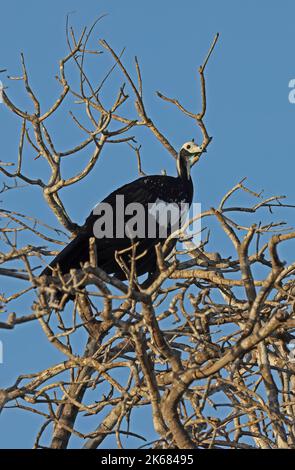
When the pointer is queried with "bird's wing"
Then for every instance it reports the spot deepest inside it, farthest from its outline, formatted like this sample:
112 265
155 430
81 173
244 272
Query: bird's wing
145 190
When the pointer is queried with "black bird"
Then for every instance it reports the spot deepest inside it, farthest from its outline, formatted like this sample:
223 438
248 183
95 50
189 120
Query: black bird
153 193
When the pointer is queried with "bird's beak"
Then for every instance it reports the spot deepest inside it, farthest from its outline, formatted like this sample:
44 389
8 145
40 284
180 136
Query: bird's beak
199 152
196 155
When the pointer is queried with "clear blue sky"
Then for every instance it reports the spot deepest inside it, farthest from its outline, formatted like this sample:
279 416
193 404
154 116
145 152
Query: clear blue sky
249 115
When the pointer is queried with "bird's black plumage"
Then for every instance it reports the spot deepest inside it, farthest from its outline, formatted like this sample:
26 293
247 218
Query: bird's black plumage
146 191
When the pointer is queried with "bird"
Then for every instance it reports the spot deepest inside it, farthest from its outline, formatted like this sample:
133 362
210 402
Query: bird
114 253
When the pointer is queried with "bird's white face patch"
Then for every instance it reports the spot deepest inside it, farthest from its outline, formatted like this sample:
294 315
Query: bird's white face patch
192 147
189 152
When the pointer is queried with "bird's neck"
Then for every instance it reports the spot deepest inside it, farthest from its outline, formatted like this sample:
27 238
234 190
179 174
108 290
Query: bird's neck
183 168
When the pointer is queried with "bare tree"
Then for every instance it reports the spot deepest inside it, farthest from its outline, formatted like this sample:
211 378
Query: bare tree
203 348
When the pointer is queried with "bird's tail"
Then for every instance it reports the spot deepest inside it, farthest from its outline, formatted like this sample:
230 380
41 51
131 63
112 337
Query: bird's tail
71 257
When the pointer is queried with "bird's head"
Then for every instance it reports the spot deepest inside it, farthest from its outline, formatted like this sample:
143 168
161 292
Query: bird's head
189 154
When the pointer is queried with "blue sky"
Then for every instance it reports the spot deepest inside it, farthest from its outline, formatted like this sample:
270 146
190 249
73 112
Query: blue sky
249 115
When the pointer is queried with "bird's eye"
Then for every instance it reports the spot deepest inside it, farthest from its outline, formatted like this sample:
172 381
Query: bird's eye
188 146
